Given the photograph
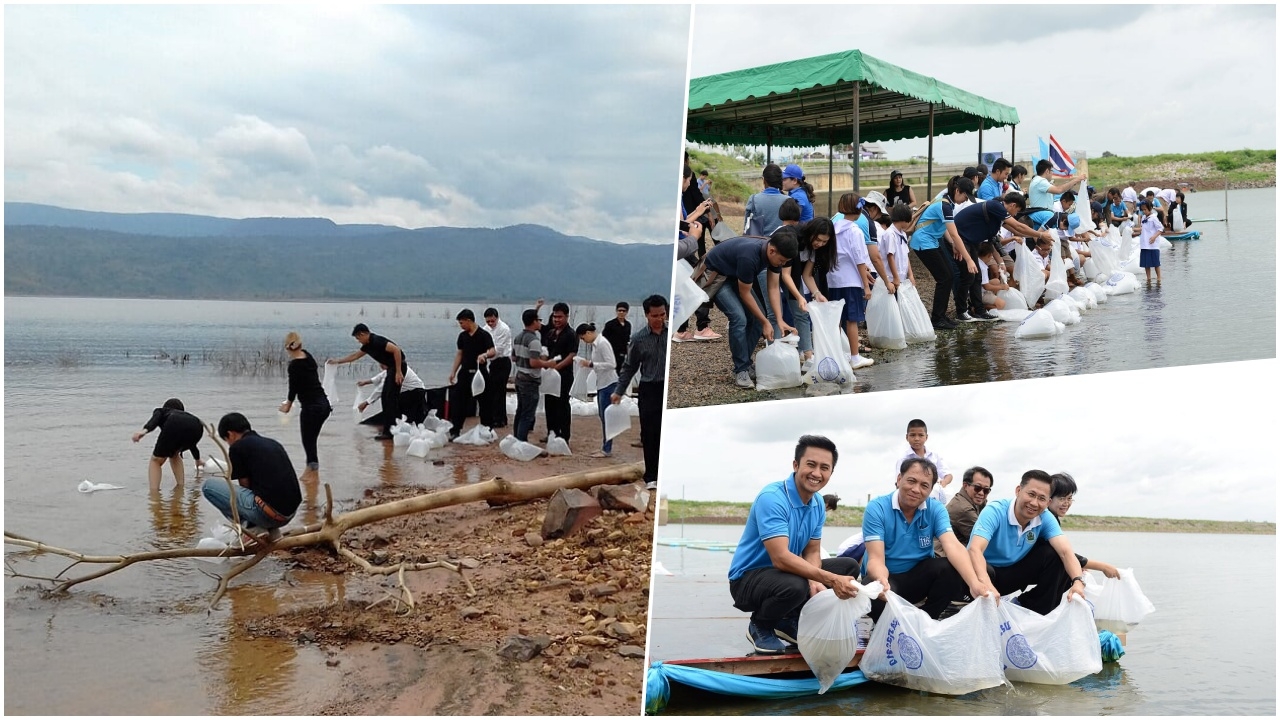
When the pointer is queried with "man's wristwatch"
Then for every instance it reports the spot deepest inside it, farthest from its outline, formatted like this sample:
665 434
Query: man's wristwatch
1078 579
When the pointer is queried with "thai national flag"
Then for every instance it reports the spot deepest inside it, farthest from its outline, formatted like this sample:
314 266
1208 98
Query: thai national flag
1063 165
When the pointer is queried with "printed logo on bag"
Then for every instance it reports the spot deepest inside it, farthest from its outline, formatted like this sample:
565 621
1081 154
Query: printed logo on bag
676 305
888 643
909 651
829 370
1025 319
1115 279
1019 652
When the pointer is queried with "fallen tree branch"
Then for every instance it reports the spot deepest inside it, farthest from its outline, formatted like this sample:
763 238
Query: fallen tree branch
329 532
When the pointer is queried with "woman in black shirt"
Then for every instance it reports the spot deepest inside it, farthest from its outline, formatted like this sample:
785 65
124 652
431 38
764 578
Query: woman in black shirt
898 191
304 384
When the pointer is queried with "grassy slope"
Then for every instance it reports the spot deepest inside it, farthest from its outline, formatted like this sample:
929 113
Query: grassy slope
1255 168
736 513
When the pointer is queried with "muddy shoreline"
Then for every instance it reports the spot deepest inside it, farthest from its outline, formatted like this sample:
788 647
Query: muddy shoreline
583 599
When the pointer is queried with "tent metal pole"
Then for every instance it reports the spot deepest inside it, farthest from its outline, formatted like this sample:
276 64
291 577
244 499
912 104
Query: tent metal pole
831 171
929 184
857 141
1013 137
980 124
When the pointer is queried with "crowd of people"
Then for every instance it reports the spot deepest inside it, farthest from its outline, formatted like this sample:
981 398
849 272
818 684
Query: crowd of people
967 237
936 554
267 494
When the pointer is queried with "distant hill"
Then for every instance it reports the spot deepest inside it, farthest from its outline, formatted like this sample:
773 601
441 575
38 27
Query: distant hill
55 251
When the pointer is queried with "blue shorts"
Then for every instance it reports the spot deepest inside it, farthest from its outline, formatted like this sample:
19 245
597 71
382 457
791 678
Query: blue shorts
855 306
1149 258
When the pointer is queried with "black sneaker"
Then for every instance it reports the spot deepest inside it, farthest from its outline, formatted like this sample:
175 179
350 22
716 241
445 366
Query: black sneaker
966 317
384 436
788 629
764 641
984 316
945 323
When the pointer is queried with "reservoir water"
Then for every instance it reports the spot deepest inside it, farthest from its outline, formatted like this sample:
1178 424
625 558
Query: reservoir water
80 377
1209 649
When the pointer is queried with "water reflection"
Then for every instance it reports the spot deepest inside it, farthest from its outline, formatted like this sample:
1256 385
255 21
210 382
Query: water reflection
175 517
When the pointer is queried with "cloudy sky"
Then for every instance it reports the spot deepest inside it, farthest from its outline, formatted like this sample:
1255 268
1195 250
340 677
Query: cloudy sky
1187 442
1202 77
568 117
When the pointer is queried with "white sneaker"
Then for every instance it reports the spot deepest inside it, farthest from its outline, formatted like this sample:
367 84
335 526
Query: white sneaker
860 361
743 380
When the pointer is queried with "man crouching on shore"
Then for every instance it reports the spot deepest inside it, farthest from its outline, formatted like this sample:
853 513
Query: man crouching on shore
778 564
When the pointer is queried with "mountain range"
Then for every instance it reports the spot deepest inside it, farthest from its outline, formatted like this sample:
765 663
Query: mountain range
63 252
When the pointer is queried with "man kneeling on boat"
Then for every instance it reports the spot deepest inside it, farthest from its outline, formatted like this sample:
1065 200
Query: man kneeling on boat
1005 553
899 530
778 564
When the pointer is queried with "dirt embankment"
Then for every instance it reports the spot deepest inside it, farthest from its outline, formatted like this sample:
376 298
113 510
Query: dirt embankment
583 600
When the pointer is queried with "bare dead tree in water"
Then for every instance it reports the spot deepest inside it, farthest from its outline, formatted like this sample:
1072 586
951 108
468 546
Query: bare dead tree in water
327 533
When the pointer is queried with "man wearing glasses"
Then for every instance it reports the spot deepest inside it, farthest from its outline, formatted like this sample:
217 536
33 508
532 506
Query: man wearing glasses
965 506
1006 555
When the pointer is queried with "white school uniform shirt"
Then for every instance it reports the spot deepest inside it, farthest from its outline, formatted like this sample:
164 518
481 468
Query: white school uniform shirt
1168 195
1151 227
1129 195
851 251
1044 260
894 241
983 271
939 493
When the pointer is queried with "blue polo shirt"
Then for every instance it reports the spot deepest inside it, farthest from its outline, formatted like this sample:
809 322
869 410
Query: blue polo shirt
905 544
990 189
741 257
928 237
777 512
1007 542
806 207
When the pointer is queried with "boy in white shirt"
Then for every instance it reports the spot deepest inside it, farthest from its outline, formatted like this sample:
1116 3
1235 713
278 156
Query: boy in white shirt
917 434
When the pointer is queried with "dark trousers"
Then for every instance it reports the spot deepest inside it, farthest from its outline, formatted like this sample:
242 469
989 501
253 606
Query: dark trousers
310 420
493 406
461 401
1041 566
559 417
413 405
390 400
527 392
935 261
770 594
969 286
933 580
649 400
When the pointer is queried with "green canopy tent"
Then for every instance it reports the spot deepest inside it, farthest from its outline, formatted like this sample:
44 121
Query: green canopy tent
845 97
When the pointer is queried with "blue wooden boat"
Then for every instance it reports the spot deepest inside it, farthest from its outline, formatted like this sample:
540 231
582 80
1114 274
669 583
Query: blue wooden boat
1184 235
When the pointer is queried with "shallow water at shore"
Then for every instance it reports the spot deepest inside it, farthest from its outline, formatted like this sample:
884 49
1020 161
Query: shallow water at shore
81 375
1209 649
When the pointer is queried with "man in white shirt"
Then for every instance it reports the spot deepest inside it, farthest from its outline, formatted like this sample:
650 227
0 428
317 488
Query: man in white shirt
493 404
917 434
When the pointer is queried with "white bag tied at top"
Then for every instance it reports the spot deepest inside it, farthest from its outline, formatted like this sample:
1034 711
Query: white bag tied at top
617 420
884 320
688 295
1053 649
954 656
916 326
1056 285
330 383
477 384
828 633
830 359
1039 324
1119 604
550 384
777 367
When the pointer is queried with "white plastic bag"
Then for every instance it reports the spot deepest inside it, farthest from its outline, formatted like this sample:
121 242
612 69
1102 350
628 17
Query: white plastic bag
688 295
477 384
1029 274
418 447
1015 316
330 383
518 449
828 632
830 361
478 435
884 320
1083 297
954 656
1061 312
1053 649
916 326
584 380
550 382
86 486
777 367
557 446
1039 324
213 466
1122 283
582 408
401 439
1013 299
1099 293
1119 605
617 420
1056 285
